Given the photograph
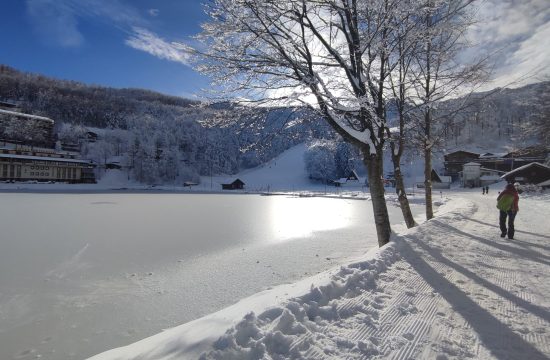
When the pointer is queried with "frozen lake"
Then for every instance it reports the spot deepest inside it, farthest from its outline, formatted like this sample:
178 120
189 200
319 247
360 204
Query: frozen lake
83 273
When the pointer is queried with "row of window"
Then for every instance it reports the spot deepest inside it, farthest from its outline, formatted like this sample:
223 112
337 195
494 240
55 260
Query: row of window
37 162
14 171
36 154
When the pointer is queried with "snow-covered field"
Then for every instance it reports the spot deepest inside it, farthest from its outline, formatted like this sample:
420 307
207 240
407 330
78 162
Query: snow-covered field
85 268
448 289
82 273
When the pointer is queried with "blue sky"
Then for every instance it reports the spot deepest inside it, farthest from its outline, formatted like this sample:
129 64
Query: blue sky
118 43
135 43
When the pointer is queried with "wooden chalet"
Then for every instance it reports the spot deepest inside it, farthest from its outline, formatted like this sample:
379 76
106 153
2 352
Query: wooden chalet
455 161
533 173
236 184
503 162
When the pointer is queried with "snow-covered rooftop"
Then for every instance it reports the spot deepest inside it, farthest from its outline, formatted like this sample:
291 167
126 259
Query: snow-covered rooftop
45 158
521 168
35 117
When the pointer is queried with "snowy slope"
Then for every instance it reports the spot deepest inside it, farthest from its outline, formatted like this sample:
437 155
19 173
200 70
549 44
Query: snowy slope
448 289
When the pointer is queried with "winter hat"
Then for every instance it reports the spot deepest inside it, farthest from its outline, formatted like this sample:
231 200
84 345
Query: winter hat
510 187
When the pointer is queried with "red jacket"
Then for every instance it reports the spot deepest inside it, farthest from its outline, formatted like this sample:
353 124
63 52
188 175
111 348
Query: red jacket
511 190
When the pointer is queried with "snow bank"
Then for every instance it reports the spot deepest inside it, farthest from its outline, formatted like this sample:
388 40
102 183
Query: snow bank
294 309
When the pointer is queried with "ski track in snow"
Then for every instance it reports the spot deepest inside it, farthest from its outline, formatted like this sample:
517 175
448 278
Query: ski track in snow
448 289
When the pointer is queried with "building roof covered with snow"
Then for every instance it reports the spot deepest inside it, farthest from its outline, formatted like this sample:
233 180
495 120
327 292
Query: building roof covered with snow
532 173
28 116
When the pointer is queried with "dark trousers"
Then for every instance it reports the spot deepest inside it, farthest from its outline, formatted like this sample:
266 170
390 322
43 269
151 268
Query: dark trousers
511 215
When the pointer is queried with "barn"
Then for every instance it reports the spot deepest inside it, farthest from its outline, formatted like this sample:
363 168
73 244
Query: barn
236 184
533 173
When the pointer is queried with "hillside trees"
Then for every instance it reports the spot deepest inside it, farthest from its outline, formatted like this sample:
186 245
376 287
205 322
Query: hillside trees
328 160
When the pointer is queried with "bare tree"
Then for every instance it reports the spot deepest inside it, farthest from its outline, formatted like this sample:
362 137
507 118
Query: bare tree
406 41
438 72
330 55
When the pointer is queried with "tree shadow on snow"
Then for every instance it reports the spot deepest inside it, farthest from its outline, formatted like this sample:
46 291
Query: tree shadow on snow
525 253
497 337
495 225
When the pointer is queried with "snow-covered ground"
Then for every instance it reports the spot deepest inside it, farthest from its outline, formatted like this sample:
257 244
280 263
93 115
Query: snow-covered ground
448 289
81 273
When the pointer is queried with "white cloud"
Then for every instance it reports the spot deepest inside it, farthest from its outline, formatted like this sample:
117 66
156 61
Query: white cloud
144 40
153 12
516 33
56 21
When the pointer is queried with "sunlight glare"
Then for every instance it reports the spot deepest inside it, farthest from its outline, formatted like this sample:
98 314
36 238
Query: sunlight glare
302 217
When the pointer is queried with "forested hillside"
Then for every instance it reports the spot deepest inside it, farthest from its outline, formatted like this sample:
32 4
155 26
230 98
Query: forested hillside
170 139
500 119
162 138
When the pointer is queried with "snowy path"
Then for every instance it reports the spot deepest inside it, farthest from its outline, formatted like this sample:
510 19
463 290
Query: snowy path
451 289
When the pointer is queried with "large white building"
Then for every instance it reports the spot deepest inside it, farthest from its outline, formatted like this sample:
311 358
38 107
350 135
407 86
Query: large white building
23 163
474 175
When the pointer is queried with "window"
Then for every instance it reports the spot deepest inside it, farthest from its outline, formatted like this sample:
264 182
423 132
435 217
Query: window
32 167
74 173
5 170
18 171
32 173
12 171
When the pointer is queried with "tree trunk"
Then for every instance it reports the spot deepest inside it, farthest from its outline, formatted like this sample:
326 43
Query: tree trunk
401 193
373 164
428 181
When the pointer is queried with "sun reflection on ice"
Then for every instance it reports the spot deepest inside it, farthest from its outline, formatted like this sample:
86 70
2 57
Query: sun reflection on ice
302 217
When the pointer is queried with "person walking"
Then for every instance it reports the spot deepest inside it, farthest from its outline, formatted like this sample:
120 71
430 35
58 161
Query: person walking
507 203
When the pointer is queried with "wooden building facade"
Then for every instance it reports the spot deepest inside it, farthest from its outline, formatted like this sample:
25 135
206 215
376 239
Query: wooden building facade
455 161
236 184
533 173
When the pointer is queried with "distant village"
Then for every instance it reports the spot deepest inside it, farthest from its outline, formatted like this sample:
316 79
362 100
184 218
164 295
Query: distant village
30 151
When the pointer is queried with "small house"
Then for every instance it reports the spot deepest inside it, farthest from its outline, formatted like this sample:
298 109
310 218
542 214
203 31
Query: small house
438 181
352 176
113 166
533 173
236 184
91 136
351 179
